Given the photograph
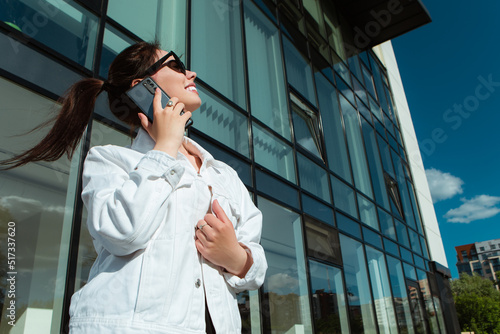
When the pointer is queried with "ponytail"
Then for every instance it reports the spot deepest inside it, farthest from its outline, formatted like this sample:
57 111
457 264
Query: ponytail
69 125
79 102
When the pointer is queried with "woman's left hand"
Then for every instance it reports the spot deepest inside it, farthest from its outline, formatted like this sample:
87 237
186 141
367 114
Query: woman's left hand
216 241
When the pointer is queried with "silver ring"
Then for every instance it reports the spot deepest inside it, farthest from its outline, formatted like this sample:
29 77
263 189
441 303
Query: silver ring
201 227
170 103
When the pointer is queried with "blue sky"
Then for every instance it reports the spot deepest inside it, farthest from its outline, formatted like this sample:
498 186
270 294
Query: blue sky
451 74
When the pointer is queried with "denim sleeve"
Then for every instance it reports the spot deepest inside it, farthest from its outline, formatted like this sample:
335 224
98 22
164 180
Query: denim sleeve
123 204
248 232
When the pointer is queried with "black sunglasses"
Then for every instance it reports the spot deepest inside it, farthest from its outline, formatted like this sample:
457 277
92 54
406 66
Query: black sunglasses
175 64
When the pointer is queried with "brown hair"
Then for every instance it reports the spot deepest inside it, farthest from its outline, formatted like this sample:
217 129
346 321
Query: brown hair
78 104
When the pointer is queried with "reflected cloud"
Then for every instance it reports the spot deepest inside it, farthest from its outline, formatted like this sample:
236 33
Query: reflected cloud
281 281
27 206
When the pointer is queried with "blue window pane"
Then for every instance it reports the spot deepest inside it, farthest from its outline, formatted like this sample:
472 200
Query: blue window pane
386 224
415 242
222 122
400 295
342 71
344 197
381 291
317 209
356 148
298 71
313 178
377 112
345 90
273 153
403 191
410 271
369 84
360 90
114 43
63 26
333 129
306 127
368 212
217 47
419 262
276 188
406 255
328 299
402 232
355 67
152 20
34 67
348 225
286 277
265 71
391 247
356 280
372 238
376 170
385 154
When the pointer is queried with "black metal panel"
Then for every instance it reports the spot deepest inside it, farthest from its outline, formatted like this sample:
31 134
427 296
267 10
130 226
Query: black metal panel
445 295
374 22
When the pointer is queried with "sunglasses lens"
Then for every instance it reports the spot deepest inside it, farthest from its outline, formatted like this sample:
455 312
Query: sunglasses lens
177 66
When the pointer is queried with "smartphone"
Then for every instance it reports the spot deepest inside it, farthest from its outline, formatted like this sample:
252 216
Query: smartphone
142 94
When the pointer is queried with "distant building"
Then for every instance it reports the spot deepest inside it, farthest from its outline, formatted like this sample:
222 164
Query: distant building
482 258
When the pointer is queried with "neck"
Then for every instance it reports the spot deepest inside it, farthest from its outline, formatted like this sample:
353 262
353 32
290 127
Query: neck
194 159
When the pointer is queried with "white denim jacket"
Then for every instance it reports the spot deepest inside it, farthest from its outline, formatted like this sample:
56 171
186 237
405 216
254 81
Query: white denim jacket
148 277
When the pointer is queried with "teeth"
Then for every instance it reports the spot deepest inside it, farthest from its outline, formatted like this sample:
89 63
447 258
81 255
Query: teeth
191 88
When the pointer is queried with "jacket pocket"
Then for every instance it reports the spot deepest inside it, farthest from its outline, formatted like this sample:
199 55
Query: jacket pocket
156 275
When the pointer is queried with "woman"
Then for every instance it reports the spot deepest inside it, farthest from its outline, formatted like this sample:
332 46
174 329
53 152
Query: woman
175 230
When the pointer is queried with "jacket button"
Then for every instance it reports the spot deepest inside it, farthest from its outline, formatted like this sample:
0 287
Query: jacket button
197 283
172 172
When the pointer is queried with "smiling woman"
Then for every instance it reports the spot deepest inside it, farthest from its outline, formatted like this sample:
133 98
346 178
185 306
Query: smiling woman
175 231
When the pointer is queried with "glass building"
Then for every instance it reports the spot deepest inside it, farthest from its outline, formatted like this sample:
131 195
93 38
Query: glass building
301 97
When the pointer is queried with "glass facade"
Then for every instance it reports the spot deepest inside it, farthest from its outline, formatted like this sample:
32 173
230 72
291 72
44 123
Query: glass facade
311 129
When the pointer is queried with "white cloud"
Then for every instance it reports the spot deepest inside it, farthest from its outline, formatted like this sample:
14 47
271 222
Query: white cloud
479 207
443 185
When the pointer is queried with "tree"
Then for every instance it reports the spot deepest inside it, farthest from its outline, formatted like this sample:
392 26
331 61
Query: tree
477 303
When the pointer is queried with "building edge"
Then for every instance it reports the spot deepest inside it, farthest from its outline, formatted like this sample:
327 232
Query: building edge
385 52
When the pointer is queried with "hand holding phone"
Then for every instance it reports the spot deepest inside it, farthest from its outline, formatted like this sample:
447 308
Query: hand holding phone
142 94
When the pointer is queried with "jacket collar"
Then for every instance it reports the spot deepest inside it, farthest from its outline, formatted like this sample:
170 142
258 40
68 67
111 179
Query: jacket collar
144 143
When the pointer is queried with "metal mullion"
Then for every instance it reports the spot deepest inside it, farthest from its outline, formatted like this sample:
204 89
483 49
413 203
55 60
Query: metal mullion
74 241
78 211
248 102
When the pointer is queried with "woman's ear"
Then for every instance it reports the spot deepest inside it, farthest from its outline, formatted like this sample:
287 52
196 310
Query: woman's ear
135 82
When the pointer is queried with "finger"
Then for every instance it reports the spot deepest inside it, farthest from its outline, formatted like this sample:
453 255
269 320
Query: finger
219 212
186 115
201 236
207 231
199 246
157 100
172 103
179 107
144 120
